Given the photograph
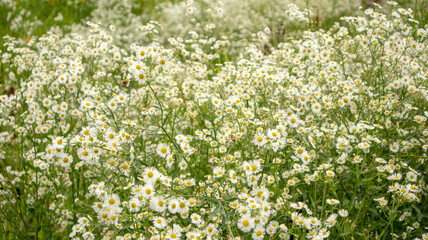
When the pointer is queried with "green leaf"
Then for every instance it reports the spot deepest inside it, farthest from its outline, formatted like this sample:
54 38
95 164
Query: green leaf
346 229
41 234
418 211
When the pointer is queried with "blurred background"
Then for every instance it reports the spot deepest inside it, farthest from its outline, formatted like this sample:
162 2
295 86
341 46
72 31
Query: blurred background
32 18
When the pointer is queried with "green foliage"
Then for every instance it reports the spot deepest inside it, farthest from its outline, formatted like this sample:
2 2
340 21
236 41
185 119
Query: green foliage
313 126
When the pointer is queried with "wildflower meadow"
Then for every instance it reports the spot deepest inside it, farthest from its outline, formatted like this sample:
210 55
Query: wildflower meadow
234 119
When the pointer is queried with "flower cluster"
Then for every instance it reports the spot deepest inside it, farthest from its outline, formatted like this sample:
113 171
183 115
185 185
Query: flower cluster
323 136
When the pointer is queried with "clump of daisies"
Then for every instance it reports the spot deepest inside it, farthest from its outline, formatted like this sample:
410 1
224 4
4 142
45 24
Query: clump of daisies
324 136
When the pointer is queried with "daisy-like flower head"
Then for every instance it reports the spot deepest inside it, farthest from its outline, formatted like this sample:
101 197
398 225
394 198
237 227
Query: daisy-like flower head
382 201
173 234
293 120
219 171
196 218
65 160
59 142
333 201
134 205
163 150
183 206
258 233
112 201
343 213
151 175
159 222
394 147
158 204
259 139
246 223
274 134
173 206
148 190
330 173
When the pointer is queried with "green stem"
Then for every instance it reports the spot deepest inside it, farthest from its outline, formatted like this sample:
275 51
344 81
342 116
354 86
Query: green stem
355 187
361 207
323 200
391 219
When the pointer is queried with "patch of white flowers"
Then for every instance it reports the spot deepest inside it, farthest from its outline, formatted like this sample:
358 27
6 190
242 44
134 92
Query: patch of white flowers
320 137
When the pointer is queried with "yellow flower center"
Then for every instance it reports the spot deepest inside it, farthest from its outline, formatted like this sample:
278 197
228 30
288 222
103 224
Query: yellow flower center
245 223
